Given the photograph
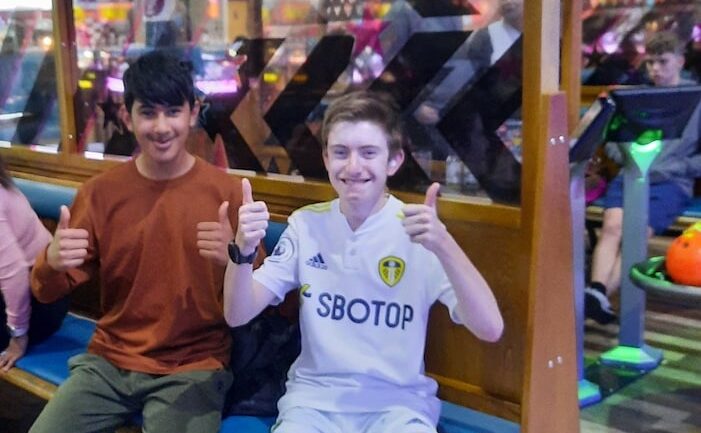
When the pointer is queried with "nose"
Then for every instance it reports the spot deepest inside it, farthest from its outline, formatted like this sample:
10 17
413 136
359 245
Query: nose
161 123
353 162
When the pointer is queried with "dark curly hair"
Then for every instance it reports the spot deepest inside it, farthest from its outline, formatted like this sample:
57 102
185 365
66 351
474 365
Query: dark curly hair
158 77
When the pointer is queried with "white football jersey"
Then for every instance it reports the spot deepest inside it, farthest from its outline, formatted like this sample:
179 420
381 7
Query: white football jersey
365 296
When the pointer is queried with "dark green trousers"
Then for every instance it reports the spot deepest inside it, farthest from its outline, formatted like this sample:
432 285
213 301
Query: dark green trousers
98 397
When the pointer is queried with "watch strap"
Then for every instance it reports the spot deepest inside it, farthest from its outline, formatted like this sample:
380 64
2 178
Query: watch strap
238 258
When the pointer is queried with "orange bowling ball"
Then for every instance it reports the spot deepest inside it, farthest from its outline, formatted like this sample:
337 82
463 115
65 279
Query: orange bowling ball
683 261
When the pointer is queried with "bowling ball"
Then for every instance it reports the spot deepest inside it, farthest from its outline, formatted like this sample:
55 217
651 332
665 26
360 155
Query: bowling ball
683 260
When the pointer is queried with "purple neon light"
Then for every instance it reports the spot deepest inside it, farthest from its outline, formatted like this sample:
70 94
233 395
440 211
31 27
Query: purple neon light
207 86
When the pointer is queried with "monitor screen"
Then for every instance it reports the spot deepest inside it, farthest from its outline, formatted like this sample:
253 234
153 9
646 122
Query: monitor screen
642 109
591 130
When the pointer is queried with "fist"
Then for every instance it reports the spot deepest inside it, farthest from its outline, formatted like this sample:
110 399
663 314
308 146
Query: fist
421 221
214 236
69 247
253 221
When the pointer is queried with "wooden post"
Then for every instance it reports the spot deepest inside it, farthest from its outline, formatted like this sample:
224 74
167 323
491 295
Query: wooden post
572 59
67 73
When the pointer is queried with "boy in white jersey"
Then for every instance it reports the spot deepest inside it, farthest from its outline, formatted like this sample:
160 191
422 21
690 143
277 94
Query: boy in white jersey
369 268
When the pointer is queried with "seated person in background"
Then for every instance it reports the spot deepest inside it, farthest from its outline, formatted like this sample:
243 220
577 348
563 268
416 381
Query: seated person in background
369 267
671 181
22 237
152 231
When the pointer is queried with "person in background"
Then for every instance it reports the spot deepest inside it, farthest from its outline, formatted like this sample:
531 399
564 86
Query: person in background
22 237
154 232
671 182
369 267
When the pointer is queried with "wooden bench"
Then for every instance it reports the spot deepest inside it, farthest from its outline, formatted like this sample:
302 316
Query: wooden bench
44 367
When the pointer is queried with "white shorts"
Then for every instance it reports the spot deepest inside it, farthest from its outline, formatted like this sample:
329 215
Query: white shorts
306 420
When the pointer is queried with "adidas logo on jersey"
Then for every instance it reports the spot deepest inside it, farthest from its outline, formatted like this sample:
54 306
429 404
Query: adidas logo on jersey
317 262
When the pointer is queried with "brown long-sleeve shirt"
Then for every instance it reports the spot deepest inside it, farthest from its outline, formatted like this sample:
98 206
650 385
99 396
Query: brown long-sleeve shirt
161 301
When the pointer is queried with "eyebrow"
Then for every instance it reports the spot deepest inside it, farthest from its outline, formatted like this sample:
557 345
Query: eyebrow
150 106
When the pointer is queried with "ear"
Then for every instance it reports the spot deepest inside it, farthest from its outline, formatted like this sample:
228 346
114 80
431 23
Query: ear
125 116
194 112
325 157
680 61
395 161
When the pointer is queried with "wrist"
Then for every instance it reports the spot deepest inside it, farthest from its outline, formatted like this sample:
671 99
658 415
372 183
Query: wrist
244 248
16 331
240 256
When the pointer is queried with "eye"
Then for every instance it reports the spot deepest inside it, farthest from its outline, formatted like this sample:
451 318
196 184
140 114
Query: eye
147 112
173 111
369 152
339 152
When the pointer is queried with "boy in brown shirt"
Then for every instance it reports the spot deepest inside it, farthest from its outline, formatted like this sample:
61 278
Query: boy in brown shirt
154 232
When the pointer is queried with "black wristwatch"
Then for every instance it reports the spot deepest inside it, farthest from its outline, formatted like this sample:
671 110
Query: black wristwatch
238 258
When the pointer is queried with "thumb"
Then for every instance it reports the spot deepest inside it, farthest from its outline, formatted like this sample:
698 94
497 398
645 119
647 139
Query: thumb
64 219
247 193
224 213
432 195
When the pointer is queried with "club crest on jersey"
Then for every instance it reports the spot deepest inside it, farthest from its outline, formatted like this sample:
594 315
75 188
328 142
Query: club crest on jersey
391 270
283 251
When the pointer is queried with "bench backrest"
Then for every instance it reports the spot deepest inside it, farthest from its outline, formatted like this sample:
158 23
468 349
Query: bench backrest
46 200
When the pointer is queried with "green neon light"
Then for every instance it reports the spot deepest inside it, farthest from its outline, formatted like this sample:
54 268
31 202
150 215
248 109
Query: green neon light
648 136
650 147
587 390
632 356
626 354
648 143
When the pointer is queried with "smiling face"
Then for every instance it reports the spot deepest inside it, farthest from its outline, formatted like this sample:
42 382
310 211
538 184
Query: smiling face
162 131
358 161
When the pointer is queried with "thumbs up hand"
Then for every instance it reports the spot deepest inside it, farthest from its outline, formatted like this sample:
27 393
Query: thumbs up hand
214 236
69 247
253 221
421 221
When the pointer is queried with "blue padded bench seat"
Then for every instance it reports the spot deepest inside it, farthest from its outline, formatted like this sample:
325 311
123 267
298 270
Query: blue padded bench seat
48 360
454 419
693 210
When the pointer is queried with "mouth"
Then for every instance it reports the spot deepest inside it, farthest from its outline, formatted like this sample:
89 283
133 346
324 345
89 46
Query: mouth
162 143
355 181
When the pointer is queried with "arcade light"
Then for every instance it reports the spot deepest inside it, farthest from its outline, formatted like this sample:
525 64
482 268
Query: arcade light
645 148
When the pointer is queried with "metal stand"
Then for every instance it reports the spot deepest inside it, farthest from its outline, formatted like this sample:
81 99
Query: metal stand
632 352
588 392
